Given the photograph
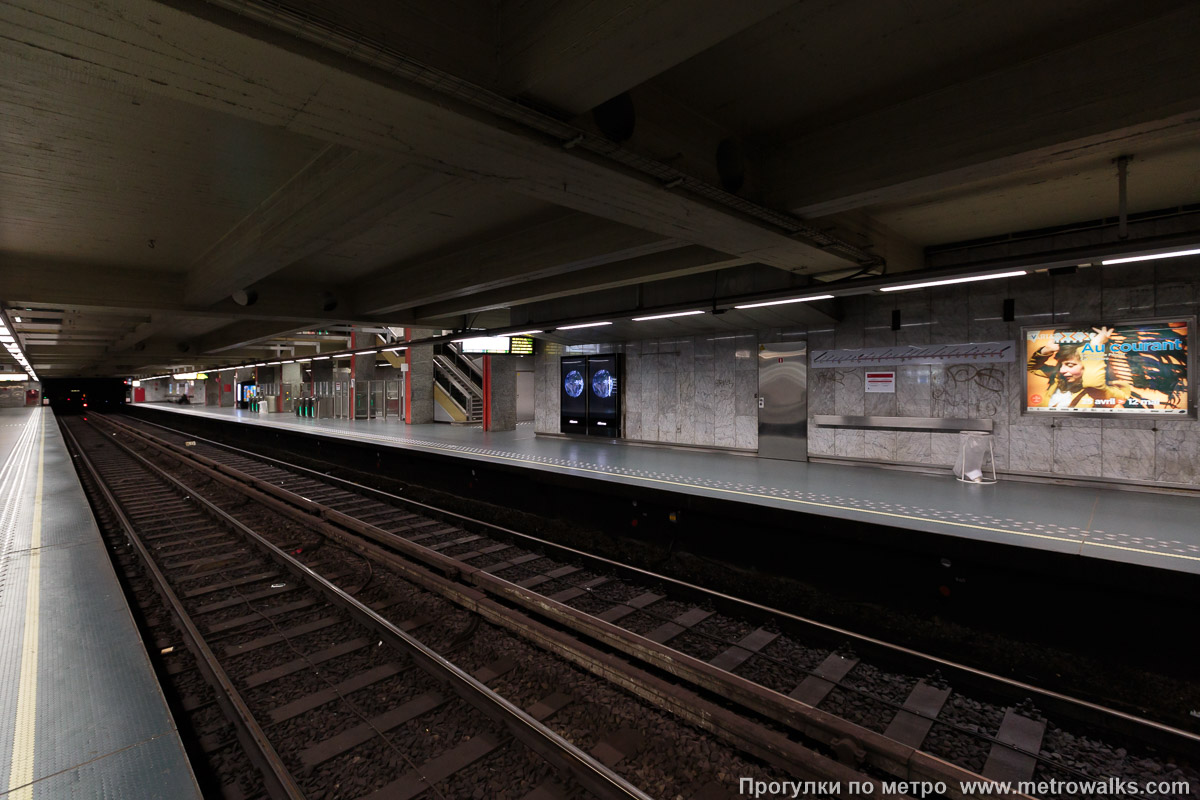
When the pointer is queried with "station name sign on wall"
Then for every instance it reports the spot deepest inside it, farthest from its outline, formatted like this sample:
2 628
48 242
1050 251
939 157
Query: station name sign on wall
971 353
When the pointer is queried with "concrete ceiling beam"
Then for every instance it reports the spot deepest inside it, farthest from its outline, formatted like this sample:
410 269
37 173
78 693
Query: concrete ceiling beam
566 244
1111 94
574 55
129 292
336 196
675 263
219 60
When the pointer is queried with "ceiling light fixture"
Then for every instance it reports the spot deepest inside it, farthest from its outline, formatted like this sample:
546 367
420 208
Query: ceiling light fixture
1171 254
924 284
320 358
395 349
806 299
668 316
581 325
523 333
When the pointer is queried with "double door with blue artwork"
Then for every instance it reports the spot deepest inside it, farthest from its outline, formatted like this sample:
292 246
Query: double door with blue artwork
590 395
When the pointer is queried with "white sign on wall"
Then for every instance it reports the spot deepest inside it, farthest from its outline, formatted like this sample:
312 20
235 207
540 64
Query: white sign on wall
883 382
970 353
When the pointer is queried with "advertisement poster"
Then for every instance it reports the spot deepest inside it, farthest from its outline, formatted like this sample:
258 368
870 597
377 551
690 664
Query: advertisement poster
1123 368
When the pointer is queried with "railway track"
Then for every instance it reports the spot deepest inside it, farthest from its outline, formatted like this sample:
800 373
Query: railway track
889 710
330 697
306 644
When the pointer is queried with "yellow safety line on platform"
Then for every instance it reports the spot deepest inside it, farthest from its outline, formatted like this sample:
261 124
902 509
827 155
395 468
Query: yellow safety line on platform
20 776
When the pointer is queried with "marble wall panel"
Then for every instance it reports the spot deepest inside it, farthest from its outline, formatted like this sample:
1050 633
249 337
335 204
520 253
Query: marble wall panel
1077 450
545 390
1176 286
1127 453
824 339
1115 448
987 389
1177 456
1031 447
879 404
948 313
633 424
949 392
820 441
685 388
1033 298
915 321
914 447
705 398
879 445
1128 292
849 443
746 432
724 394
1000 444
877 320
912 391
821 388
848 333
943 448
1077 297
985 311
668 399
849 397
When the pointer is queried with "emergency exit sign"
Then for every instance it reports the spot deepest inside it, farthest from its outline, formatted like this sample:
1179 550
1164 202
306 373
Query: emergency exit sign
883 382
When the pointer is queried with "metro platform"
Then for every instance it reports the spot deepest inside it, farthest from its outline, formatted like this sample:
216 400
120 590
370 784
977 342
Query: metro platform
1090 525
81 712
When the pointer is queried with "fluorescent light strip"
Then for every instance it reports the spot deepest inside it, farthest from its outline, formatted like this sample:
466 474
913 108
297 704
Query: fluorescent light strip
395 349
668 316
321 358
947 281
1173 254
364 352
581 325
522 333
806 299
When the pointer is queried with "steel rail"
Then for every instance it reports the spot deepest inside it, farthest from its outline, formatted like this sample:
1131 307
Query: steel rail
590 773
278 779
1149 731
893 758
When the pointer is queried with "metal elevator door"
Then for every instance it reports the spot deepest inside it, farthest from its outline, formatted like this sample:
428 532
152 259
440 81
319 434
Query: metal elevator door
783 400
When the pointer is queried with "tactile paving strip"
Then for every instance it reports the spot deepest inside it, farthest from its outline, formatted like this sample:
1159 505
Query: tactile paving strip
102 728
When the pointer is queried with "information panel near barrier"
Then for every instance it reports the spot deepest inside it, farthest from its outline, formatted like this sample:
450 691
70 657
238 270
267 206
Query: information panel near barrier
573 395
604 396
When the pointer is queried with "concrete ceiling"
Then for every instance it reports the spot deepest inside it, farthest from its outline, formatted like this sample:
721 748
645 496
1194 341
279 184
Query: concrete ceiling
445 164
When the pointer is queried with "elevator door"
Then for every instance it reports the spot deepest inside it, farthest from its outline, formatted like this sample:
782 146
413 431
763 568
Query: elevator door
783 400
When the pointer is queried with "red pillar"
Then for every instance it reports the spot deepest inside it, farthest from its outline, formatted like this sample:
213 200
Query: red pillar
487 393
408 380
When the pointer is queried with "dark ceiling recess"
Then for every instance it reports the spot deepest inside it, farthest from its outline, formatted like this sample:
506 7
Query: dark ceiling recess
328 301
731 165
616 118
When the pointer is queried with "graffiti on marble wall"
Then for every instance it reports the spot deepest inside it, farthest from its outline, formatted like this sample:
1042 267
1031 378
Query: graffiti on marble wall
951 387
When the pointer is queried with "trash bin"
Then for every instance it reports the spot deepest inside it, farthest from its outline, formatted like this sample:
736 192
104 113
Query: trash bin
975 454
